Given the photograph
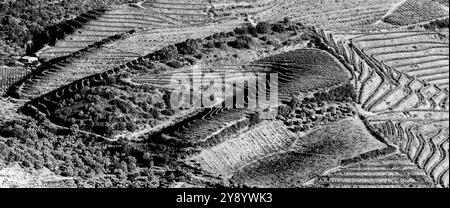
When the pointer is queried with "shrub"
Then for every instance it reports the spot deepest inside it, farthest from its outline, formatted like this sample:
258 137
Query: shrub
437 24
277 27
242 41
231 34
209 44
219 44
175 64
167 53
252 31
284 110
241 30
189 47
263 27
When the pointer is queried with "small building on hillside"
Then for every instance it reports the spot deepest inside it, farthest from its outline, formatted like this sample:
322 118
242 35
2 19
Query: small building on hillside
29 60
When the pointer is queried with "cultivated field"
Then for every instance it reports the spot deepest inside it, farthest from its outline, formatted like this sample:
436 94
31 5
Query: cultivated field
393 171
415 11
304 70
387 95
310 155
419 54
352 15
115 21
10 75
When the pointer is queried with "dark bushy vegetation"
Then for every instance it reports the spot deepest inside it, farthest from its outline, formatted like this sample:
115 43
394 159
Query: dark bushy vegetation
114 108
263 27
344 93
92 163
167 53
189 47
241 42
278 27
252 31
175 64
241 30
437 24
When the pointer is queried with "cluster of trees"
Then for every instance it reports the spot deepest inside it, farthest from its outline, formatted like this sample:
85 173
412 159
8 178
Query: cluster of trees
244 34
241 42
92 163
322 107
343 93
182 54
308 116
118 107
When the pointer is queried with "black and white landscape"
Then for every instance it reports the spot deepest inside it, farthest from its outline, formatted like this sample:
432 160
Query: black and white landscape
224 93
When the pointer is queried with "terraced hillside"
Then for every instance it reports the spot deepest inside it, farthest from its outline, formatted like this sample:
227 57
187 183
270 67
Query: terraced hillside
304 157
424 142
231 155
10 75
388 95
389 172
117 20
190 12
51 35
419 54
415 11
335 14
328 14
100 56
305 70
51 75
